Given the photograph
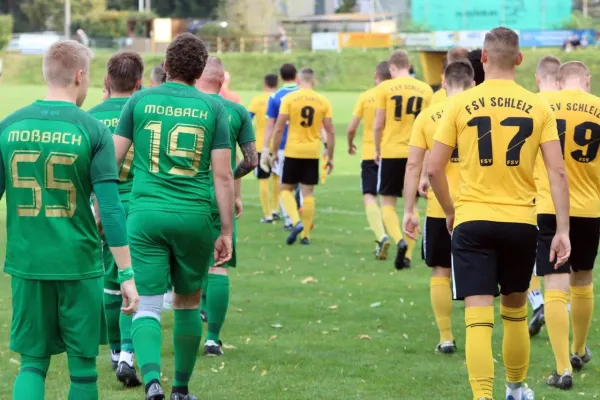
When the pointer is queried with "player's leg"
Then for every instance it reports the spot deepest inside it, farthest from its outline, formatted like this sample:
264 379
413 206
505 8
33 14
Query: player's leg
308 211
150 256
112 305
368 183
264 195
400 170
516 249
536 299
291 175
437 254
389 188
275 190
556 316
33 334
585 236
475 281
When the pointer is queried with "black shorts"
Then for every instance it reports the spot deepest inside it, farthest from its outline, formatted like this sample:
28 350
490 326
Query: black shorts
585 236
260 173
300 170
437 243
369 170
488 254
390 181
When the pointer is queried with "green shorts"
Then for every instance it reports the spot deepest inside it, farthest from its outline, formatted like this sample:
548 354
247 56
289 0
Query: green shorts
163 243
51 317
111 271
216 228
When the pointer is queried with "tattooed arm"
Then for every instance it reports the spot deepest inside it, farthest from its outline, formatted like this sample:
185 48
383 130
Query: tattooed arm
249 162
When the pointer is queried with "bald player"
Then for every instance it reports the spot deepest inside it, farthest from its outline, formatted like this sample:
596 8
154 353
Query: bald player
499 128
454 54
546 77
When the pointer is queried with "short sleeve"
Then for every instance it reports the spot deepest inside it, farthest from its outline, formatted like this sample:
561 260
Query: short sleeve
246 129
272 107
358 108
103 166
125 126
446 132
549 128
285 106
222 137
417 136
381 98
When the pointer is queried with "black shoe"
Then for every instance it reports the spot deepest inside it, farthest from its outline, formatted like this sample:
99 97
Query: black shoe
564 382
538 320
291 239
203 316
155 392
400 254
407 262
180 396
276 217
114 360
212 349
288 228
264 220
446 348
127 375
305 241
577 361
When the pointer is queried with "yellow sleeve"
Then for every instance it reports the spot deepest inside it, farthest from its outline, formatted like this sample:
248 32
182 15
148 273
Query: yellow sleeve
417 136
549 130
446 132
252 106
381 98
358 108
328 109
284 108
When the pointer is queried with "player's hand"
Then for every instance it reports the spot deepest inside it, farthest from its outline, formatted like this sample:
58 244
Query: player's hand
265 162
411 227
560 249
223 250
423 187
377 157
329 166
131 298
351 149
273 161
450 223
239 208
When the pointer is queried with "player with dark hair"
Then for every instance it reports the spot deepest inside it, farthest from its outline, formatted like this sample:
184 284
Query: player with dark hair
180 136
474 58
366 107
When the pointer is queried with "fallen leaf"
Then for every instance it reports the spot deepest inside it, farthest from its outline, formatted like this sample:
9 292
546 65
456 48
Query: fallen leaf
335 329
367 337
247 340
273 337
165 379
259 272
309 279
325 332
12 360
376 304
214 370
405 336
277 326
228 346
222 365
240 310
318 321
333 307
263 373
253 368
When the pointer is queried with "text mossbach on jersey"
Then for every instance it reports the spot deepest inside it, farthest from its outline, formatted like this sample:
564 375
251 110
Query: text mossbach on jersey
175 111
504 102
37 136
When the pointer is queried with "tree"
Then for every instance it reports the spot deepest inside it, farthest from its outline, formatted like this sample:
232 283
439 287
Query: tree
205 9
50 14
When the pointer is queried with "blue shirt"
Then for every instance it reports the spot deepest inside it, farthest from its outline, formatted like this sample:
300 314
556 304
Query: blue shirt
275 103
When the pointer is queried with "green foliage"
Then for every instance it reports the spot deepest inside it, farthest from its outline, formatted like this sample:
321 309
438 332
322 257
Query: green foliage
49 14
6 25
205 9
346 6
113 24
414 27
578 21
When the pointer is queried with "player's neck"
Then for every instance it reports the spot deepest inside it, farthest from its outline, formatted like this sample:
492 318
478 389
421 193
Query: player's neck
450 91
120 95
572 85
549 88
61 94
402 73
306 86
178 81
494 73
289 83
208 87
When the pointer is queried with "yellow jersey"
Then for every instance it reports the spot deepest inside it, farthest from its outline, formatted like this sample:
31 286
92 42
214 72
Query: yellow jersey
498 127
422 137
578 121
258 107
402 99
366 108
439 96
306 110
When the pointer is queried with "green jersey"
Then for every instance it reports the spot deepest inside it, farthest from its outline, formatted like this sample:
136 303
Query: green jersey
52 154
174 128
108 112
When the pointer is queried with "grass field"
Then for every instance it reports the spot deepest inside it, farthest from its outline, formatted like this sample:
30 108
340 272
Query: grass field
334 342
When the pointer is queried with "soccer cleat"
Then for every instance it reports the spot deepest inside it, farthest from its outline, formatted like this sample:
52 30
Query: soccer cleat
407 262
288 227
526 393
155 391
447 347
305 241
382 249
538 320
114 359
276 216
213 349
562 382
266 220
181 396
127 375
577 361
294 233
203 316
400 254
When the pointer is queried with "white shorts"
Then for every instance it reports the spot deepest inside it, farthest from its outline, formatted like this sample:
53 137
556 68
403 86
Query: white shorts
278 168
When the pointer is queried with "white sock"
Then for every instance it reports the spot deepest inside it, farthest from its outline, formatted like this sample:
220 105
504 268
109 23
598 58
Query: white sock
515 392
536 299
126 357
114 356
569 308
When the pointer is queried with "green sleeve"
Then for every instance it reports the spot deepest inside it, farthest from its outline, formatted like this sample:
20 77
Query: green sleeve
112 213
104 161
222 138
2 177
125 126
246 128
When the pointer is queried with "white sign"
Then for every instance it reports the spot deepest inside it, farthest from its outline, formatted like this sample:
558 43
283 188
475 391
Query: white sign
444 38
424 39
471 38
325 41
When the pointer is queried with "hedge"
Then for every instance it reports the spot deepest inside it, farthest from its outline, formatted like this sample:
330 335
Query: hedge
6 25
347 71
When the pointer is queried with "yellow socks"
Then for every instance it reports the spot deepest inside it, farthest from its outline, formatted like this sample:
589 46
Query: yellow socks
391 223
263 186
582 307
290 206
411 243
274 193
557 323
375 221
441 301
478 350
515 343
308 215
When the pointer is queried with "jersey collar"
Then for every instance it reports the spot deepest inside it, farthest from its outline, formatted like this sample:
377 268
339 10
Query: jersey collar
56 103
289 85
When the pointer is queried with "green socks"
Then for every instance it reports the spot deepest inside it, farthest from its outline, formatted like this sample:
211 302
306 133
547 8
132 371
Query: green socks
31 378
112 309
217 302
147 340
125 326
187 333
84 378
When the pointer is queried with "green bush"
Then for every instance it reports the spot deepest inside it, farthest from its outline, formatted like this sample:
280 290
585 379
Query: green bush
347 71
111 23
6 25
